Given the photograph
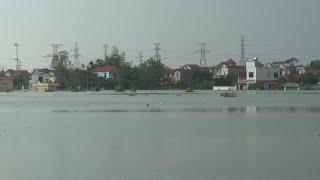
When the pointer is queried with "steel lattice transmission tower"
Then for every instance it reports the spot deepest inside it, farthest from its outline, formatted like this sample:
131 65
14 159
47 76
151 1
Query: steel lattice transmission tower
55 49
157 50
18 65
243 56
203 54
55 54
76 56
140 57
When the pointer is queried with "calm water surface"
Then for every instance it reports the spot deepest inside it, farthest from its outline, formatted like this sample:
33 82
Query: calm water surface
103 136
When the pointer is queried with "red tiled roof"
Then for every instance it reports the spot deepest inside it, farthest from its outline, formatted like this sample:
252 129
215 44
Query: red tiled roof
104 69
312 69
12 72
193 66
170 71
231 62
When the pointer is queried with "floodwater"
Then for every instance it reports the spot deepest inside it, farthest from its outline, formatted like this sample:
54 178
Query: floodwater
159 135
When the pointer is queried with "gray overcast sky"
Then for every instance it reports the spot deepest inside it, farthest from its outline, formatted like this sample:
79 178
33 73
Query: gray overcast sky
274 29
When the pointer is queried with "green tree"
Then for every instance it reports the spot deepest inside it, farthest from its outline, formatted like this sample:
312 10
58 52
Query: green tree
115 58
308 78
100 62
202 78
229 80
61 60
292 61
123 75
315 63
19 81
150 74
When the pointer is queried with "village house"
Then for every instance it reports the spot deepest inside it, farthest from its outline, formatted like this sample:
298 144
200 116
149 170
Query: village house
313 70
191 67
42 80
226 68
176 75
256 72
106 72
10 73
283 68
6 84
242 80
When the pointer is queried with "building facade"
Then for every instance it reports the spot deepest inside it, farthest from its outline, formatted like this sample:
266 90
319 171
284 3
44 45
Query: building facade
106 72
264 76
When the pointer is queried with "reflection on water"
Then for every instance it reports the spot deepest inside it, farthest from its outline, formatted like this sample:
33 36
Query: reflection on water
248 109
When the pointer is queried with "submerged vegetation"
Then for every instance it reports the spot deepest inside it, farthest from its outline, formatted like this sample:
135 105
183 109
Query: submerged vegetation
228 94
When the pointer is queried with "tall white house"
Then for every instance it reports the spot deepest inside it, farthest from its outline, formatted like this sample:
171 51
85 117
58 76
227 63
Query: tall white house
256 72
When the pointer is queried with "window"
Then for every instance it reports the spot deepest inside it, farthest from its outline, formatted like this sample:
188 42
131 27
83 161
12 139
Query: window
276 75
40 79
251 74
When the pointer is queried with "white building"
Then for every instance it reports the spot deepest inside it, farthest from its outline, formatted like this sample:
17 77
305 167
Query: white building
258 73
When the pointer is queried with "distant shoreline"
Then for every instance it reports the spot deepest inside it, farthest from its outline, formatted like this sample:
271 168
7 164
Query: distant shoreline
171 92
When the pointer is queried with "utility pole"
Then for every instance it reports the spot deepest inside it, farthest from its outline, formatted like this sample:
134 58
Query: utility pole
105 48
203 54
76 56
157 50
18 65
242 57
88 78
